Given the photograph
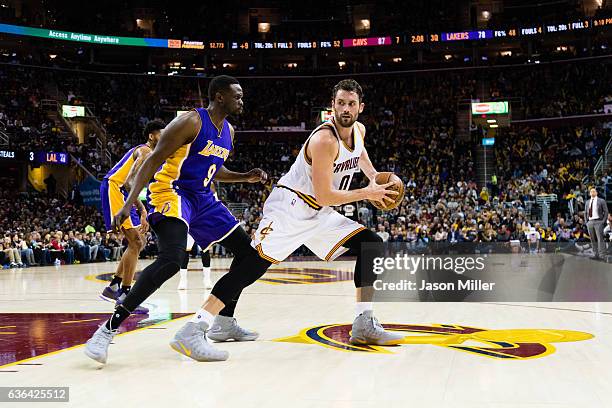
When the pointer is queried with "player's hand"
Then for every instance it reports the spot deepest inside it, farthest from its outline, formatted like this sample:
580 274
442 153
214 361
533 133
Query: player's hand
380 192
144 224
257 176
120 217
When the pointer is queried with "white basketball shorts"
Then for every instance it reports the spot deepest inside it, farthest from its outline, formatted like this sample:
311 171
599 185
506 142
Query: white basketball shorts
289 222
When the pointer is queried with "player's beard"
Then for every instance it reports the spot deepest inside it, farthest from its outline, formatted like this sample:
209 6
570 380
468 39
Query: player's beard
345 121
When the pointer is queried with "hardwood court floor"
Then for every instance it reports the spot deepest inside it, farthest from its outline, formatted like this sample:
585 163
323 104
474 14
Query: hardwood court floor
303 311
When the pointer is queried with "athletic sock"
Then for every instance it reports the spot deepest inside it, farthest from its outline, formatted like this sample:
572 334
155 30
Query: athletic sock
114 284
203 316
119 315
125 289
361 307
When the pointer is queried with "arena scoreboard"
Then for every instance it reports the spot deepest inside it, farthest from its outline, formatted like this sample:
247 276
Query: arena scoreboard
43 157
467 35
326 114
370 41
489 108
70 111
389 39
8 155
490 115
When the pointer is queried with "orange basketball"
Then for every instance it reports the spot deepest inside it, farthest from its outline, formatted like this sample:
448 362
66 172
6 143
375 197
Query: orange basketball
388 177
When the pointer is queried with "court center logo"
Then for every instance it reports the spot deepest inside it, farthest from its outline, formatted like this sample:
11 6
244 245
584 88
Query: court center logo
273 276
510 344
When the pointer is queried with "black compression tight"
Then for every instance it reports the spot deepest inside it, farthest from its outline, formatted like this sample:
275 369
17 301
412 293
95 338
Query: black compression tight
245 269
365 256
171 241
205 259
251 267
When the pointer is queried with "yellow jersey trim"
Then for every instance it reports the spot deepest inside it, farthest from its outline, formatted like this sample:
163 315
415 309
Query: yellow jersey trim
308 199
264 256
342 241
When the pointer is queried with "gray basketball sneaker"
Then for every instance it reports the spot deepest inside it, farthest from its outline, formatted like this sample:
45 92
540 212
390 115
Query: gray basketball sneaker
191 341
367 330
226 328
96 347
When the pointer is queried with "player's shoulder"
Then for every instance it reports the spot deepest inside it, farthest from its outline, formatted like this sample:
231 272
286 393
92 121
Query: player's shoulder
190 118
324 136
142 150
361 127
186 126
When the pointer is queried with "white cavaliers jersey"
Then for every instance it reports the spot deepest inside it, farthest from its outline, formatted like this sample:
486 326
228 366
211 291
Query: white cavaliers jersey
299 177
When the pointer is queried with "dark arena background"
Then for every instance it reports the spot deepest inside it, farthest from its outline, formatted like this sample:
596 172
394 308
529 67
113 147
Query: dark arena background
495 115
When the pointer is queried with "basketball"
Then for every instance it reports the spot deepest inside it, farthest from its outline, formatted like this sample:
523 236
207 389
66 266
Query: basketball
388 177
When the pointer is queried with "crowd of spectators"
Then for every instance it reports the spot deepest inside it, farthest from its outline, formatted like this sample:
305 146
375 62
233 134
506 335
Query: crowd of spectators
443 201
43 228
412 102
28 123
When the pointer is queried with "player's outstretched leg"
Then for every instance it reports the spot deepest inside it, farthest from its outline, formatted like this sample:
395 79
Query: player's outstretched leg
366 328
130 258
245 269
172 236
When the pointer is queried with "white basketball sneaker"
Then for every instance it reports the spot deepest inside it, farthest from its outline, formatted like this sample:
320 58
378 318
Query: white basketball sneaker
226 328
191 341
367 330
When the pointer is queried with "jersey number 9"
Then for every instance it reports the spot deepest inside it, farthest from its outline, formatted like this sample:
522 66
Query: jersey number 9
211 173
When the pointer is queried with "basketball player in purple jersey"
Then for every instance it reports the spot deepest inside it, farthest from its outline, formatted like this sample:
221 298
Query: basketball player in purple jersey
113 192
191 152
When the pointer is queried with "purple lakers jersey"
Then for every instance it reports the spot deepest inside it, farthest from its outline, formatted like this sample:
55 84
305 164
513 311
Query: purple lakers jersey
120 171
194 166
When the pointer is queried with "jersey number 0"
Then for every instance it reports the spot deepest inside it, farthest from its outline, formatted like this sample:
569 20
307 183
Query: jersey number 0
345 182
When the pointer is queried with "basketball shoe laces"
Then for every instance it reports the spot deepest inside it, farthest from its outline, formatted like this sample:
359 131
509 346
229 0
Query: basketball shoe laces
202 336
237 329
377 326
104 339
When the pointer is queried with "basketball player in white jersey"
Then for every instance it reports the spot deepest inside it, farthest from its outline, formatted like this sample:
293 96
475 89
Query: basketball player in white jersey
299 211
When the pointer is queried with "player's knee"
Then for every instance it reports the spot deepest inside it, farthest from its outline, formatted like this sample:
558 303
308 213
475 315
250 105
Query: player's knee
166 268
259 268
239 277
135 240
371 236
365 236
139 242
